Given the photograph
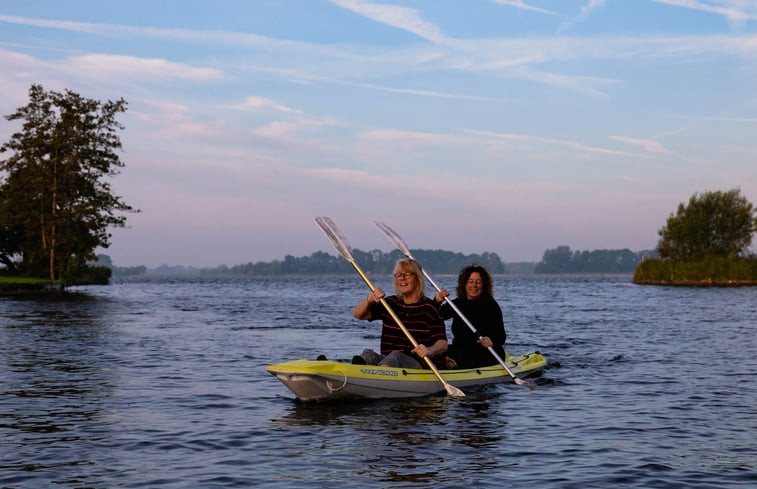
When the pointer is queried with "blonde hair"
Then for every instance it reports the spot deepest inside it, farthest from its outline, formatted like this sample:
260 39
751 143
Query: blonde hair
408 265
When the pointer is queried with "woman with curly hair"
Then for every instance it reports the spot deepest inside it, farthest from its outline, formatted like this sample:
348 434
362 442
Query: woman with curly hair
476 302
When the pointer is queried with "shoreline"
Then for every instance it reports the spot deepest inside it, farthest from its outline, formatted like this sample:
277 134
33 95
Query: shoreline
699 283
21 288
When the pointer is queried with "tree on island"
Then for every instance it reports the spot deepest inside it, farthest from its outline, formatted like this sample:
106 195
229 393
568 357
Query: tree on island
706 242
712 224
56 203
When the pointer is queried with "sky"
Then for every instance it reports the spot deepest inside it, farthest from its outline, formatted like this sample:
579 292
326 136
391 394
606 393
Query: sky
505 126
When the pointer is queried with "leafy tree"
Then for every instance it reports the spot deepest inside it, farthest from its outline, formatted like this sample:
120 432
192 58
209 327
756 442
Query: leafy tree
56 187
557 260
712 224
10 242
10 239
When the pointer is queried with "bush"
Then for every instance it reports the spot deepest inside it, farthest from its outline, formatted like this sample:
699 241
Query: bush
91 275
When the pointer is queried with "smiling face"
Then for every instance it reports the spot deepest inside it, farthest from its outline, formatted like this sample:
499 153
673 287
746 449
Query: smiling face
474 282
404 282
474 287
408 281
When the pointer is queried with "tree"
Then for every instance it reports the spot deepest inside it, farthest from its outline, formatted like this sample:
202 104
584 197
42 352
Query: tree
713 224
56 187
557 260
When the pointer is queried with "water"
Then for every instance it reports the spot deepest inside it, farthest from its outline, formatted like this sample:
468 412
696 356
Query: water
161 384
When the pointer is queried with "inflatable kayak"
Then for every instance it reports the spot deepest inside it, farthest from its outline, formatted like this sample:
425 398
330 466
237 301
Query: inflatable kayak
312 380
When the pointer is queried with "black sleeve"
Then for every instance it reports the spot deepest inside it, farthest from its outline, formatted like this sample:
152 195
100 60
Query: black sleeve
496 324
445 310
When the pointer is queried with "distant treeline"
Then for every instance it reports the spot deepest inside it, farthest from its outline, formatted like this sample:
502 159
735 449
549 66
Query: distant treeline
318 263
563 260
558 260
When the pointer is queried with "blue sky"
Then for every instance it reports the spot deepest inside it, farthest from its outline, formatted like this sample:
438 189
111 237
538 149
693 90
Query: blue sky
509 126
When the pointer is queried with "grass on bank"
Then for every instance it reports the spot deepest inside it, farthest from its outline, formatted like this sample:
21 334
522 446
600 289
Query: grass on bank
8 280
709 271
12 285
88 275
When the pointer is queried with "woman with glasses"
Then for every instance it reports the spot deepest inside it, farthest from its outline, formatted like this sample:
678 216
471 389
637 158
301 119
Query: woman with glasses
418 313
475 301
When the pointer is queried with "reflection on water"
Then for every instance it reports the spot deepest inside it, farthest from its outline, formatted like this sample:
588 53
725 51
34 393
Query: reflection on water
57 378
406 441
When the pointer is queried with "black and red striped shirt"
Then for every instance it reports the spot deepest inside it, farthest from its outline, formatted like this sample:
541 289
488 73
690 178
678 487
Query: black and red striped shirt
421 319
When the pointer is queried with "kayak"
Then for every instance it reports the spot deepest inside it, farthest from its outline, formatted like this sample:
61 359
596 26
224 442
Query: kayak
315 380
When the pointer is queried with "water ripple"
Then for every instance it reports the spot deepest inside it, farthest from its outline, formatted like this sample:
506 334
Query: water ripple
161 384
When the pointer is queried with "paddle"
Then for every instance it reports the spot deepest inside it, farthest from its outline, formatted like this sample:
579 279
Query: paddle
397 240
343 247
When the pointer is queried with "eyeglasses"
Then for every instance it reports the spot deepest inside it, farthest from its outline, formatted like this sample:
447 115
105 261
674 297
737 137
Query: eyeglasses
402 275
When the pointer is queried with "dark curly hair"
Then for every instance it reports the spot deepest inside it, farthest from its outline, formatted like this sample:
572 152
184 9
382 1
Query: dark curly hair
465 274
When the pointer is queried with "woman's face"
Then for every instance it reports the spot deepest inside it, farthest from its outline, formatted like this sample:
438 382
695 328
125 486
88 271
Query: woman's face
405 282
474 287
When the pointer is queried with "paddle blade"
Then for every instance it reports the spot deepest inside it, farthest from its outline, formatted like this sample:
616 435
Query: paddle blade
453 391
394 238
527 383
335 236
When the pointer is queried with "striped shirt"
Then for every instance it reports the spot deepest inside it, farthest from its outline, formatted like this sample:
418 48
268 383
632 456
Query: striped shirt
421 319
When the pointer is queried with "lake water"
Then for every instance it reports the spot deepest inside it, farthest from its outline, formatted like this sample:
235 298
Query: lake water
162 384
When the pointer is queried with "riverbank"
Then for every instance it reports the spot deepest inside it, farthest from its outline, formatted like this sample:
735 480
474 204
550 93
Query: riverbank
708 272
25 286
699 283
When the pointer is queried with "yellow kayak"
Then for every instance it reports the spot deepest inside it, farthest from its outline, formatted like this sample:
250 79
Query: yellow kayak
312 380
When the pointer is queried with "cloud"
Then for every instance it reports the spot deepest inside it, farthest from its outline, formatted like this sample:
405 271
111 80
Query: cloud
55 24
648 145
747 120
354 177
519 4
403 18
185 35
671 132
277 130
475 193
296 119
101 71
395 136
110 66
586 10
736 11
581 84
160 112
532 59
256 103
422 93
579 147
